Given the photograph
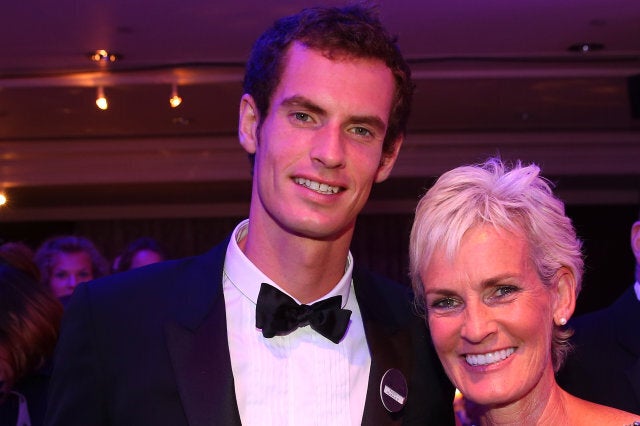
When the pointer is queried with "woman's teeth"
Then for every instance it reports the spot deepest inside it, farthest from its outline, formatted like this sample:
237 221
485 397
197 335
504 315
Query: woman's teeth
489 358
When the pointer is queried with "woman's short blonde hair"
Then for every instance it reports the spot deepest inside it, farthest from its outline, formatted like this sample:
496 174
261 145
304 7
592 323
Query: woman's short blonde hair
515 199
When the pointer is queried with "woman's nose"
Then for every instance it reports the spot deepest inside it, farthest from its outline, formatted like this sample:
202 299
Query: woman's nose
478 323
72 281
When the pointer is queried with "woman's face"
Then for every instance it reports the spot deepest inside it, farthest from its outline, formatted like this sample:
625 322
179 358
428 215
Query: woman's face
490 317
145 257
69 270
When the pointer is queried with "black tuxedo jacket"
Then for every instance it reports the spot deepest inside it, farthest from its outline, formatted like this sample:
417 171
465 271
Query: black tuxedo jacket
605 364
149 347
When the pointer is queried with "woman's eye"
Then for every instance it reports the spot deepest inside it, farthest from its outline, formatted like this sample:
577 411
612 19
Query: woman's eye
506 290
445 303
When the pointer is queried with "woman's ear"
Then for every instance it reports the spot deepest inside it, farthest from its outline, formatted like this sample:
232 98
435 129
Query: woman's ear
565 296
248 124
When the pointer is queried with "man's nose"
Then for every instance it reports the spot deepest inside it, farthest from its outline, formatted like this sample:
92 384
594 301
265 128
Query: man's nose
329 147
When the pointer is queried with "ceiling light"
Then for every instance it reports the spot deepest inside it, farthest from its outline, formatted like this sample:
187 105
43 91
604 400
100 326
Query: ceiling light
175 99
103 56
3 199
101 100
585 47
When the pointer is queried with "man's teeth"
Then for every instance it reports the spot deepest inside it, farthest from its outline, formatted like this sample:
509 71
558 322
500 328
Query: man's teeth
489 358
317 186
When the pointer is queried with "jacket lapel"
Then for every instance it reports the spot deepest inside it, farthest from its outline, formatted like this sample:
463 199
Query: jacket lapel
197 343
634 378
387 342
627 324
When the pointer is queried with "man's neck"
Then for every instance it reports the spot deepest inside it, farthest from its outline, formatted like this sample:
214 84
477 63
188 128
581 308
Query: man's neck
306 268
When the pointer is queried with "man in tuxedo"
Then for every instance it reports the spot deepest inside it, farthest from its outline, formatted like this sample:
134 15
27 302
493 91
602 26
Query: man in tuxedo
605 364
276 325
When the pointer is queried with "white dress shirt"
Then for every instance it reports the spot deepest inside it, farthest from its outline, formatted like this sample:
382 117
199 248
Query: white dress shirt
298 379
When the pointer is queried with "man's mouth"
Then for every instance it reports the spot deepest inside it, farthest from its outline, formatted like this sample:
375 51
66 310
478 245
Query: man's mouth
489 357
321 188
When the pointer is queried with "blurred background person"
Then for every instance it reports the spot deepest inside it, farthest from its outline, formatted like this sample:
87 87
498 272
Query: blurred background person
20 255
498 266
29 322
66 261
140 252
604 366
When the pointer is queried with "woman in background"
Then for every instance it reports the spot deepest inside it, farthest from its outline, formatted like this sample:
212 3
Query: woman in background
66 261
498 265
29 322
140 252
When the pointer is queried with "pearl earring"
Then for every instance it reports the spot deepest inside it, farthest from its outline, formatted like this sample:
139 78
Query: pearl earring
563 321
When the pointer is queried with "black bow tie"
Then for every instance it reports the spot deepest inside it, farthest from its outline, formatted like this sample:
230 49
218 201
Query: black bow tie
277 313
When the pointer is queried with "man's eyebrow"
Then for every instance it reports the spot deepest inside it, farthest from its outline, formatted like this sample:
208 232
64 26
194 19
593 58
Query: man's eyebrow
307 104
371 120
301 101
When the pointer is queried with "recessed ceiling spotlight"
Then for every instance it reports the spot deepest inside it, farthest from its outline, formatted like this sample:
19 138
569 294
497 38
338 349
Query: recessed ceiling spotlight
101 99
103 56
585 47
175 99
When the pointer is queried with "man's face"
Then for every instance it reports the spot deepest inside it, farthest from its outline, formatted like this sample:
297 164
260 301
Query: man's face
319 150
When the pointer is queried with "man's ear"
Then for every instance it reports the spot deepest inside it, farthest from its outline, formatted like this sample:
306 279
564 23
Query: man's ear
635 240
389 160
248 124
565 296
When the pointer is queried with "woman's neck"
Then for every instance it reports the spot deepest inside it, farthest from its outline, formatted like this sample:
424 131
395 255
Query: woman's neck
544 405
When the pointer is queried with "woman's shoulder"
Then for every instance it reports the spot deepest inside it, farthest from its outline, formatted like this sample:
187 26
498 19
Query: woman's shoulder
590 413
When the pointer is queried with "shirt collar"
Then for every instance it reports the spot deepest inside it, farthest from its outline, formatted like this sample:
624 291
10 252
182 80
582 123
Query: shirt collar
247 278
637 288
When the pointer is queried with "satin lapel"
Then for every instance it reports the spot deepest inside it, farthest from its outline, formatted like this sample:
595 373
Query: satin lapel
198 346
387 345
627 324
634 377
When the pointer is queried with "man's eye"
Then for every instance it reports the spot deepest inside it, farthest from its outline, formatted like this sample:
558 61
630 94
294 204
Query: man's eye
361 131
301 116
